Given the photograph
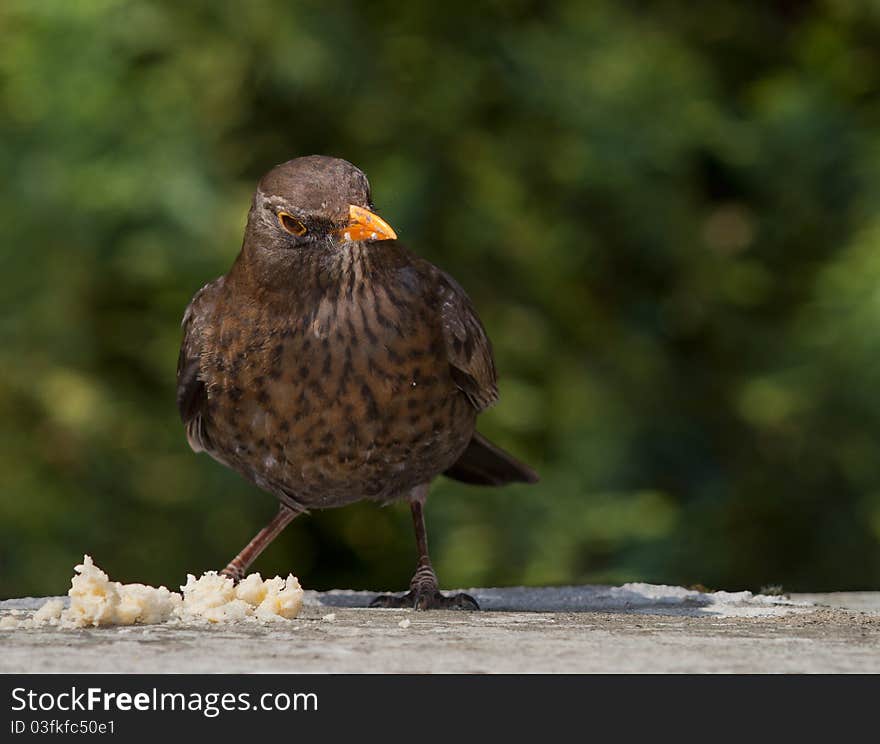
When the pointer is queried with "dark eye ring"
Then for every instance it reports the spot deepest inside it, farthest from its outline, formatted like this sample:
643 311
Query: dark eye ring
291 224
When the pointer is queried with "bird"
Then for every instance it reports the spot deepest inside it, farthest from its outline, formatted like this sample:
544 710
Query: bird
331 365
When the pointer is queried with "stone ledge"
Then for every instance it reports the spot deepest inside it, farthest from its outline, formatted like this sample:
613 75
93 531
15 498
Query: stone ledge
634 628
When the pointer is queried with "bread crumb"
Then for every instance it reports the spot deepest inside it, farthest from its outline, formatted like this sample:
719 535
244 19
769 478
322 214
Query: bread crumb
96 601
50 611
211 597
216 598
405 623
282 598
251 589
329 618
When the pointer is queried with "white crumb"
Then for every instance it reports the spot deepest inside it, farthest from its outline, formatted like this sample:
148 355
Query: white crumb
96 601
721 603
50 611
405 623
329 618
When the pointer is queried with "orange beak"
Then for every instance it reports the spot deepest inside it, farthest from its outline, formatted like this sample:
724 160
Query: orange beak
364 225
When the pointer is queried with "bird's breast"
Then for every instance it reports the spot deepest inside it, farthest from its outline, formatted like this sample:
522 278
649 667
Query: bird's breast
348 397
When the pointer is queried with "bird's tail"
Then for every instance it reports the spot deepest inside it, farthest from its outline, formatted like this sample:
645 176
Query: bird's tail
486 464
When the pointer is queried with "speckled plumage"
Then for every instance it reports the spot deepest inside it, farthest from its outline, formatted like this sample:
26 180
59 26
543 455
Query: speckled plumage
328 371
336 393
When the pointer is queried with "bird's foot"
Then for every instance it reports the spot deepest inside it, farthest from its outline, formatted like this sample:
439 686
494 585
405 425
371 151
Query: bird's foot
231 572
424 594
420 599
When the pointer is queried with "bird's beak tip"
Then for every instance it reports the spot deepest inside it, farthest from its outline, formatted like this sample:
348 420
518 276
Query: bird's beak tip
366 225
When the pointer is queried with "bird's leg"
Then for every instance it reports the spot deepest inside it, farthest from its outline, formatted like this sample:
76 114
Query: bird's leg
238 565
424 591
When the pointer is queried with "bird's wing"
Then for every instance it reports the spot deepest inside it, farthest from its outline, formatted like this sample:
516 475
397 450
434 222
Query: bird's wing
467 345
192 395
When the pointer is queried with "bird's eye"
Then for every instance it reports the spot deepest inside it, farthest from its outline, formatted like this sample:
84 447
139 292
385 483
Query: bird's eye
291 224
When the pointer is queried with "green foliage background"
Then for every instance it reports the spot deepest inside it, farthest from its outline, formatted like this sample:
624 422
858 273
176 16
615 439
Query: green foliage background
667 214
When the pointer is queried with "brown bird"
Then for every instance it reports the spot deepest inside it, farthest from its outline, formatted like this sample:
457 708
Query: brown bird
332 365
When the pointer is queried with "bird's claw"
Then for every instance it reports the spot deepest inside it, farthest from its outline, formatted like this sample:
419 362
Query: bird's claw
426 600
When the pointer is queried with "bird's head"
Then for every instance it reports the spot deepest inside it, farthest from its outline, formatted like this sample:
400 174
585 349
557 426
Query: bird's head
310 207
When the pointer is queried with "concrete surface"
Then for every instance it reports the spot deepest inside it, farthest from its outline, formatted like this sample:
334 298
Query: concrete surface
634 628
